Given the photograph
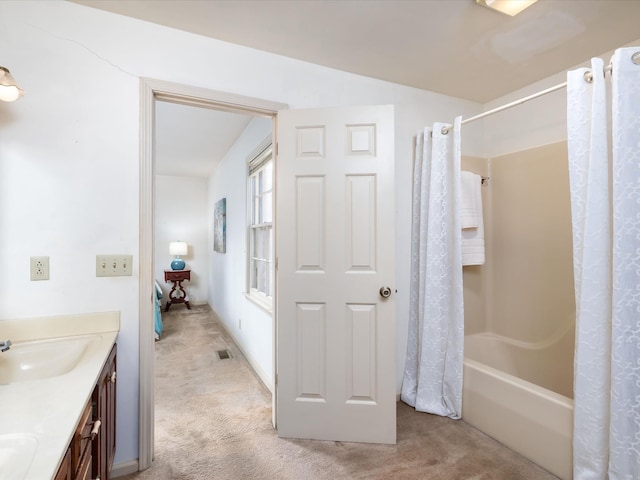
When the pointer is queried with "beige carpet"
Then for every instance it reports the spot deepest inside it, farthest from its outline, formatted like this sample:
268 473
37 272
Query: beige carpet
213 421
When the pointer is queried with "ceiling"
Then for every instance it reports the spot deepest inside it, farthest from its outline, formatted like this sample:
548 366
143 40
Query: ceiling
484 54
454 47
191 140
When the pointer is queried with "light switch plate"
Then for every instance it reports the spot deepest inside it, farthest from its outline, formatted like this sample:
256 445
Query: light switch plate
114 265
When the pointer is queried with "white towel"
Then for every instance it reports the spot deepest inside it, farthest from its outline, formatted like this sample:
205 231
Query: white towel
471 219
469 215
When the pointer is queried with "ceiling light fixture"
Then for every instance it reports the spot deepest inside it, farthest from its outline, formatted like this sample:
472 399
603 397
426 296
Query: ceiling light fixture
9 89
510 7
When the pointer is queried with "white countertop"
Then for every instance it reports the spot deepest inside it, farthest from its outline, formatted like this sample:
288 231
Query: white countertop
49 409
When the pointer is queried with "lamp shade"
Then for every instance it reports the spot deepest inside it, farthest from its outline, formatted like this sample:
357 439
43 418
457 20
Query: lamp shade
178 248
9 89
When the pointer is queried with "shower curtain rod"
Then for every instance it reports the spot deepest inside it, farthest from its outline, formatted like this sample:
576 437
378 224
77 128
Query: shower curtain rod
588 76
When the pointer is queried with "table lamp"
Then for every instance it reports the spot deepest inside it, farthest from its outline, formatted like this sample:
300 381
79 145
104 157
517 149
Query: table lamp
178 249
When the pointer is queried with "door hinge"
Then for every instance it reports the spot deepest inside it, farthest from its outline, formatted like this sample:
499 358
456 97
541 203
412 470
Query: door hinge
277 264
276 379
277 148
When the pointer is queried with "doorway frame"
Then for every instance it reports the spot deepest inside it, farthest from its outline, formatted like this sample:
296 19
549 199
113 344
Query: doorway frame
150 91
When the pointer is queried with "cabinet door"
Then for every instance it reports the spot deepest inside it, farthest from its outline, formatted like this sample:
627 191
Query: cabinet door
110 402
104 399
64 472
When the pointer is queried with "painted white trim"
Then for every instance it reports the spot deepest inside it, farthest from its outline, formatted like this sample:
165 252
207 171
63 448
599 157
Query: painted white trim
146 356
150 91
259 155
257 301
214 99
122 469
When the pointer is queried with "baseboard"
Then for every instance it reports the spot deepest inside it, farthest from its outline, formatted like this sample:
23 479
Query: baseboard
262 376
122 469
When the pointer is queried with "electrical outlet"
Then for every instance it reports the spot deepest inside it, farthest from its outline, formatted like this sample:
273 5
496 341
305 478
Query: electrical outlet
114 265
39 268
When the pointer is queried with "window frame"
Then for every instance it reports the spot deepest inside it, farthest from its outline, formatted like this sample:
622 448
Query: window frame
257 163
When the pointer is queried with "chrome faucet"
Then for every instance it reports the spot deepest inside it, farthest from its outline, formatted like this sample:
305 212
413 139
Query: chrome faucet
5 345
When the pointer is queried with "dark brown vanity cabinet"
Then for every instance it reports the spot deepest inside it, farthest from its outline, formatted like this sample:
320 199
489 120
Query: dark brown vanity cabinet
81 446
64 472
104 411
90 455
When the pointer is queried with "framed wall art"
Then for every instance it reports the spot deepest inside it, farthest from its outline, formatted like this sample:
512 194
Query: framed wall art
220 226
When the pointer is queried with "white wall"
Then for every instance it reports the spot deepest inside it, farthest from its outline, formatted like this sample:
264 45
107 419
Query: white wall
69 154
250 326
542 121
181 214
539 122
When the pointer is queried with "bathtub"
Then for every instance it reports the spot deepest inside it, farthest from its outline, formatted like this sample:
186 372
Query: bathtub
531 420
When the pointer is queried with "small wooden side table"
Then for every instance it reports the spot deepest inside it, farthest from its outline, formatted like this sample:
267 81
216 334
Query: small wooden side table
177 277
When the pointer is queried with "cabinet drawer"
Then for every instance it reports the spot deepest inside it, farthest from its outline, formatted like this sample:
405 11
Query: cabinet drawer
177 275
81 444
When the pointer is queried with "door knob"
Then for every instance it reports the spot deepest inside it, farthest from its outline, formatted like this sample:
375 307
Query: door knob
385 292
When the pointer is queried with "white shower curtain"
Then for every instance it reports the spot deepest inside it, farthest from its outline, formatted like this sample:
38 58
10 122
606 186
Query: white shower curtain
605 196
433 370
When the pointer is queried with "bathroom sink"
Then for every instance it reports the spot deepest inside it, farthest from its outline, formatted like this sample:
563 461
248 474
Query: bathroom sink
17 451
40 359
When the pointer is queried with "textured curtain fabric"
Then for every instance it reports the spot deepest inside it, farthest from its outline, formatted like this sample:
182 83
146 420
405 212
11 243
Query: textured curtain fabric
624 437
590 212
605 191
433 371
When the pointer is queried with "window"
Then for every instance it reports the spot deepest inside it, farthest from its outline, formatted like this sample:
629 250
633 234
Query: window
261 226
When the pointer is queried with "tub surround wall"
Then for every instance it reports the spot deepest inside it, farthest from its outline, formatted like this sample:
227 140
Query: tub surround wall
519 365
531 275
474 277
541 364
525 289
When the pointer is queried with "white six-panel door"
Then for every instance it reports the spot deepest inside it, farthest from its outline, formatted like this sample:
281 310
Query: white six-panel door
335 250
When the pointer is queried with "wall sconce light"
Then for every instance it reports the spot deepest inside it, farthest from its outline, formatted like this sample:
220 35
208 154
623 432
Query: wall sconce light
9 89
510 7
178 249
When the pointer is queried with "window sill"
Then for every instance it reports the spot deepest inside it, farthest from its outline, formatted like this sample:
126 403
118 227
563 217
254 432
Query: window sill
260 302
